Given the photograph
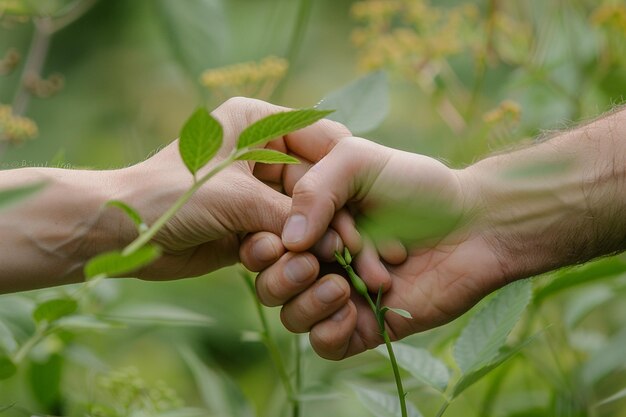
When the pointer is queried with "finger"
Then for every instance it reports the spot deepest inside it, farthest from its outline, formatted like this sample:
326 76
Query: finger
271 173
316 141
326 188
288 277
344 224
326 247
366 334
330 338
260 250
367 264
259 208
392 251
323 299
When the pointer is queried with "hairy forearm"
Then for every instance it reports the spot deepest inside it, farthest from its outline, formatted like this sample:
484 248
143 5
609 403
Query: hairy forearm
557 203
47 238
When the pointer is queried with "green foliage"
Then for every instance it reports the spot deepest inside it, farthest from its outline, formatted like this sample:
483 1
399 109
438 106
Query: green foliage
200 139
481 340
579 275
470 378
421 364
45 380
115 263
381 404
7 367
200 26
159 314
278 124
52 310
220 395
14 195
362 105
131 213
267 156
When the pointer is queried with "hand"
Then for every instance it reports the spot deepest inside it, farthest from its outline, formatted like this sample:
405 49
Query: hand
206 232
436 279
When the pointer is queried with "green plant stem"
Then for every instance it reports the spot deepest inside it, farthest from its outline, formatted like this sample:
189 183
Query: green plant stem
145 237
443 408
295 411
271 345
39 334
379 314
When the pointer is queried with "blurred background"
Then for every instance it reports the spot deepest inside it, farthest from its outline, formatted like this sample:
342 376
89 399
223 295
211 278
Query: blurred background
102 84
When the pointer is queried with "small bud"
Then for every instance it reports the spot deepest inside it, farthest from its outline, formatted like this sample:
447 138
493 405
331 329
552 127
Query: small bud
357 283
347 256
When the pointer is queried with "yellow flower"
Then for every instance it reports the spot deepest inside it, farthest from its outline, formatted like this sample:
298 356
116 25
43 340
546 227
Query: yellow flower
15 129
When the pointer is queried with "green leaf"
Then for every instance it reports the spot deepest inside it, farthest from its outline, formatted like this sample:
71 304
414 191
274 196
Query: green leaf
45 380
470 378
198 32
13 195
84 323
399 311
7 367
268 156
163 314
612 398
481 339
589 298
277 125
114 264
4 408
361 105
52 310
220 394
605 360
7 340
200 139
421 364
571 277
381 404
131 213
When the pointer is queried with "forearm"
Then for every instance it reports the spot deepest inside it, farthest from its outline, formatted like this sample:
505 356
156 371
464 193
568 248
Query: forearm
46 239
557 203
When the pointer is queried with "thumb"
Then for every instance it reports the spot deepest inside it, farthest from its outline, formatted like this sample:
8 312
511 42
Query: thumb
327 187
263 209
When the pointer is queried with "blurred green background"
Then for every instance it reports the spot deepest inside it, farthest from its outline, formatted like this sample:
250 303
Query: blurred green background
466 79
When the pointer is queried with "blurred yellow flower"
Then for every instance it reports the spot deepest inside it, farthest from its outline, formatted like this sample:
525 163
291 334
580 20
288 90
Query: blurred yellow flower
15 129
252 79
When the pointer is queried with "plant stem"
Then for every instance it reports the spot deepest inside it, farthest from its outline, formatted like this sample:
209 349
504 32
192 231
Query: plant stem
396 373
443 408
145 237
34 62
271 345
30 343
295 411
379 314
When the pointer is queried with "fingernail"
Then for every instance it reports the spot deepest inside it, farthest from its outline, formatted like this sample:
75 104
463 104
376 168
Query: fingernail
341 314
294 229
298 269
264 250
328 291
328 244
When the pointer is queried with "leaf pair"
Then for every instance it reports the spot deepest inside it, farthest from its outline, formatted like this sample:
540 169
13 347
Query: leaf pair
202 136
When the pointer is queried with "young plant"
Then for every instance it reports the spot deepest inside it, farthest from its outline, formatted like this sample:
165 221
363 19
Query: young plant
379 312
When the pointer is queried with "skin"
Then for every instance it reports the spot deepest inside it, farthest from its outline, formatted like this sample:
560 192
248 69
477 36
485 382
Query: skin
557 203
48 238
